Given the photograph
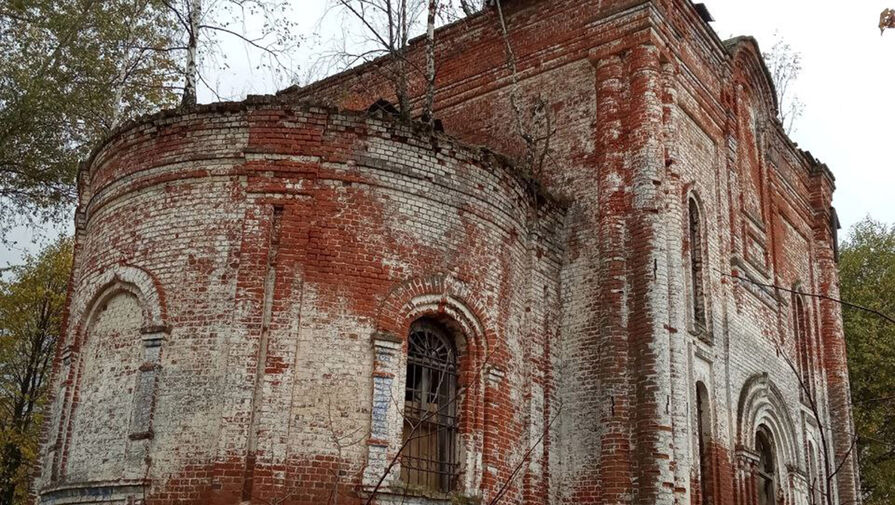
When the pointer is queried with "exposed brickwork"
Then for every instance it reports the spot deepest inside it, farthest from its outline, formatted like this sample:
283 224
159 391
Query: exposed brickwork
280 251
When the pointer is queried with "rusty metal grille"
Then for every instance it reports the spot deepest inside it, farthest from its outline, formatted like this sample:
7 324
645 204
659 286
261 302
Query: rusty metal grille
429 459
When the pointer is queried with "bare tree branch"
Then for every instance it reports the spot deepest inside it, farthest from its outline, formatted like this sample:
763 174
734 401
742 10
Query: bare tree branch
813 295
414 427
785 65
506 484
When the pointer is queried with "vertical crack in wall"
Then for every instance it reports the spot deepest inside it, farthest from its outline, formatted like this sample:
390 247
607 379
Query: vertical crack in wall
270 278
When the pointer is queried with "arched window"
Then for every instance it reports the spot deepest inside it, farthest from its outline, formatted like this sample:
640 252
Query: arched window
697 255
814 483
803 343
765 471
429 456
703 438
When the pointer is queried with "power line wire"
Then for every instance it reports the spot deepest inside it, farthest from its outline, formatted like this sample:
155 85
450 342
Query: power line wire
814 295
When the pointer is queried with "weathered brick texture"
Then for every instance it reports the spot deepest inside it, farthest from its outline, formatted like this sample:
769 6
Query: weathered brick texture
246 276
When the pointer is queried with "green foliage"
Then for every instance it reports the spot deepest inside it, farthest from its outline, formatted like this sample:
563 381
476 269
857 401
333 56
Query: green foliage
32 303
867 270
70 70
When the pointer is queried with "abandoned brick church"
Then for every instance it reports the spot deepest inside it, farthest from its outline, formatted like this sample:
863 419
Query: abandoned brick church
296 299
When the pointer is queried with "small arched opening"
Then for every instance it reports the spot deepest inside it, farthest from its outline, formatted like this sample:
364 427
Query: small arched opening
430 455
703 442
697 259
766 468
804 344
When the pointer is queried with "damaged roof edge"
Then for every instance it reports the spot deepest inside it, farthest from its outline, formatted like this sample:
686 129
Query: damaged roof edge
482 154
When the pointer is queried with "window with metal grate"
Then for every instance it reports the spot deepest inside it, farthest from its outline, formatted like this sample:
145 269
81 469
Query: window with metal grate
429 460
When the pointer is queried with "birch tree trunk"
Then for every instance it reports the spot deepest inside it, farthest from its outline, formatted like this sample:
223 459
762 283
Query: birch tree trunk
468 9
189 89
430 63
401 77
117 109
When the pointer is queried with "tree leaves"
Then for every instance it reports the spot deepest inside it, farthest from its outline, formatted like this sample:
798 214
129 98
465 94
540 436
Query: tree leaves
70 70
264 26
785 65
31 308
867 277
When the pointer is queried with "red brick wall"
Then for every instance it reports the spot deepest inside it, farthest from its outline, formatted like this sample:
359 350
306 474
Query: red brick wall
585 311
362 207
651 108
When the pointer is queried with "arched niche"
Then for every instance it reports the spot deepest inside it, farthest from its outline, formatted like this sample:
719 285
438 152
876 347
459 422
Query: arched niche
110 367
761 403
449 302
763 421
120 278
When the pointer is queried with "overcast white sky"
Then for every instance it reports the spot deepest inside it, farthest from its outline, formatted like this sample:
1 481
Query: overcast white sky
847 85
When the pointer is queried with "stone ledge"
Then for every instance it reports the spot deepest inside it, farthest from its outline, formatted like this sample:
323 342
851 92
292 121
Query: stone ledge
92 492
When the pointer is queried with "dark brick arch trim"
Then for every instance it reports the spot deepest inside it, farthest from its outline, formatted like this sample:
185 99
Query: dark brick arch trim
100 286
761 403
746 56
105 283
433 295
444 297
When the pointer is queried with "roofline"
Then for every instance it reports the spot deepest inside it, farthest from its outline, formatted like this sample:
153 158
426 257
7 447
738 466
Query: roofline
534 185
737 41
357 69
